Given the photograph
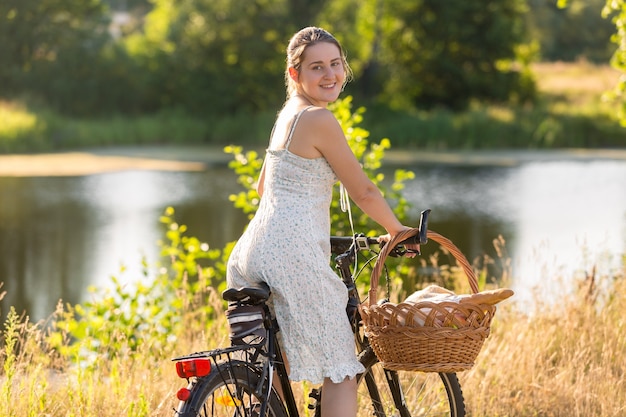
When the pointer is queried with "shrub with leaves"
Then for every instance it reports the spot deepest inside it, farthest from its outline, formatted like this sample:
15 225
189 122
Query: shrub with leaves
149 312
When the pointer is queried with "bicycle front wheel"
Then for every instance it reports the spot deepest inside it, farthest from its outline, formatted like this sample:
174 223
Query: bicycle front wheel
385 393
231 389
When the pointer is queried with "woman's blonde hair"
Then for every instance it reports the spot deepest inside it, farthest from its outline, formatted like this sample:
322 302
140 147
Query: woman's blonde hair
297 46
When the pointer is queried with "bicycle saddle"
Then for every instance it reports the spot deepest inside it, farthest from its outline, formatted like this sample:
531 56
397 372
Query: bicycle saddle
253 295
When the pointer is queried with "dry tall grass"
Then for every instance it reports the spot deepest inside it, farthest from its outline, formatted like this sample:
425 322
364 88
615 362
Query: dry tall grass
561 359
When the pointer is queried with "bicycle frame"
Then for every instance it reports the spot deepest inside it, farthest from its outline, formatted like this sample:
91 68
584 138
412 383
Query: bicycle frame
343 263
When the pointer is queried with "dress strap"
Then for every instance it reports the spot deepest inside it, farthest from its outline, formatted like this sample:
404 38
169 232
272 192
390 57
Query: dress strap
293 126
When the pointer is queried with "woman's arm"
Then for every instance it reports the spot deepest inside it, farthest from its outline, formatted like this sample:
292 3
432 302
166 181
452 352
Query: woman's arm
331 143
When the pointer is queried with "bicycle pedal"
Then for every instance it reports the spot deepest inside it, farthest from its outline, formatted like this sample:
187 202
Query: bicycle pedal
315 405
315 393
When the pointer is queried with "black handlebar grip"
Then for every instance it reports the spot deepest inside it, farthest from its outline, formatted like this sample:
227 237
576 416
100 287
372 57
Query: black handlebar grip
423 227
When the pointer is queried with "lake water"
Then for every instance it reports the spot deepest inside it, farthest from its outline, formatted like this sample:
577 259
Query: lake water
59 235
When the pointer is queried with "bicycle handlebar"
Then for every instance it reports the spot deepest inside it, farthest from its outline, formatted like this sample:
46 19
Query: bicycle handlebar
342 243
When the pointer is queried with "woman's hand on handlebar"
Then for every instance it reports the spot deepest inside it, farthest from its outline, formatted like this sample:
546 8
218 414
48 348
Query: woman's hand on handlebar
411 249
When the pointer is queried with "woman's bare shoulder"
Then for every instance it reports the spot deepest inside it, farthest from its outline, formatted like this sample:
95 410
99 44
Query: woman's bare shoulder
320 118
319 113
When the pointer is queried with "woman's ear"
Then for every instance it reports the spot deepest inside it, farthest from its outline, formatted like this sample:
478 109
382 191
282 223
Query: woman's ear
293 73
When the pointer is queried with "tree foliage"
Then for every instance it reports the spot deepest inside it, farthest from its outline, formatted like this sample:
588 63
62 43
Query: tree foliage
212 56
448 52
578 31
34 32
226 56
616 9
216 57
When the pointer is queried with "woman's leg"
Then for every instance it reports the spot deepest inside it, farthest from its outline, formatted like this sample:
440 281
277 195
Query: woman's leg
339 400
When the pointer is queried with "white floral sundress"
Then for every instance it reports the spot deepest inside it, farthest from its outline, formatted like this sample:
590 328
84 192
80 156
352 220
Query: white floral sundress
287 245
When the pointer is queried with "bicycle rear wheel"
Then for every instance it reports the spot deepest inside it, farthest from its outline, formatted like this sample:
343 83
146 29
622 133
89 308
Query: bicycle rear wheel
231 389
408 394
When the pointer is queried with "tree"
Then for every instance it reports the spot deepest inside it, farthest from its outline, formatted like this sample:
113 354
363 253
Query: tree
215 56
570 33
303 13
448 52
358 25
36 31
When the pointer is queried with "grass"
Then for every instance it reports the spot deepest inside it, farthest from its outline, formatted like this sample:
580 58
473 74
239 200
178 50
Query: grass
558 358
582 84
26 129
570 112
20 128
565 358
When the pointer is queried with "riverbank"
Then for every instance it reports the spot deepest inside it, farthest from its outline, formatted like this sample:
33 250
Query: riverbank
198 158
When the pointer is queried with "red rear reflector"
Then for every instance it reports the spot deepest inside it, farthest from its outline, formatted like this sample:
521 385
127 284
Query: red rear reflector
193 367
183 394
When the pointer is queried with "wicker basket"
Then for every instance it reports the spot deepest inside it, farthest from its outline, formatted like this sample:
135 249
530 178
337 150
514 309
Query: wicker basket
426 336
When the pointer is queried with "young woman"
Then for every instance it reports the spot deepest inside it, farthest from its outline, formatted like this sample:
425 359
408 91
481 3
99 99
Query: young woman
287 243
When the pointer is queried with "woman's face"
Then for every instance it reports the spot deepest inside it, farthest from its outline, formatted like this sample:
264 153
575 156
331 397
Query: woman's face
321 75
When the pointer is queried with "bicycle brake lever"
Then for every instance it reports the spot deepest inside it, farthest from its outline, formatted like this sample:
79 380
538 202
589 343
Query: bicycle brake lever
421 238
397 251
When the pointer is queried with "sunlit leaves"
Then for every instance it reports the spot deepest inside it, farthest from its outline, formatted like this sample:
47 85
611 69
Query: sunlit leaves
247 167
616 10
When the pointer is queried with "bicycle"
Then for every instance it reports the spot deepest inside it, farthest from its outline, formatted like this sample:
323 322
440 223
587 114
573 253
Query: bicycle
238 381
